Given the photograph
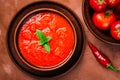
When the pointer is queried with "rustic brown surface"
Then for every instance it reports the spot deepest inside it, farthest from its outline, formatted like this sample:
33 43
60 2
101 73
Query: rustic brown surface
87 68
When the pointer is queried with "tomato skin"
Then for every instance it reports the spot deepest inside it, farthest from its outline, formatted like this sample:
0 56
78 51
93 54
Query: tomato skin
115 30
113 3
101 21
98 5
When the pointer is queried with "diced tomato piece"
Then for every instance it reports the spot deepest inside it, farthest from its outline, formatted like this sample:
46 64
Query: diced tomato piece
26 34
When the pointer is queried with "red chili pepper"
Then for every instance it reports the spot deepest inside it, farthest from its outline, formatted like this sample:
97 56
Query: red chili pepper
101 58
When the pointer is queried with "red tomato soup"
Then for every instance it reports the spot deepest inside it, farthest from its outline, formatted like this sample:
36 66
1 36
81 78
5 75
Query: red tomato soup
61 43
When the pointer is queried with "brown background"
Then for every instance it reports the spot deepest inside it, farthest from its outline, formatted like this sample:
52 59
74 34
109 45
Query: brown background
87 68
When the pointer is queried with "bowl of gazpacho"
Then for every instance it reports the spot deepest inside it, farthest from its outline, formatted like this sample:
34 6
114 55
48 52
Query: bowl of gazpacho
45 39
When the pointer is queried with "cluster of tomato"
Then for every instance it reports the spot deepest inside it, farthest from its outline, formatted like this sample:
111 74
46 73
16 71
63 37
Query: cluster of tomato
106 16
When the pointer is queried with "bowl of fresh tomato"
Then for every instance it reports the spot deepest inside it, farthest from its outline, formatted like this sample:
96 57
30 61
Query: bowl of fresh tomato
102 18
45 39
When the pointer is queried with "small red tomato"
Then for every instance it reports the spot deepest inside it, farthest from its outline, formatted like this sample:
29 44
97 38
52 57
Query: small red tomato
98 5
115 30
113 3
117 12
103 20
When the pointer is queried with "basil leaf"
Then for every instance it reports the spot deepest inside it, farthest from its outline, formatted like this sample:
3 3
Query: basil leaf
40 34
43 40
40 42
47 47
48 38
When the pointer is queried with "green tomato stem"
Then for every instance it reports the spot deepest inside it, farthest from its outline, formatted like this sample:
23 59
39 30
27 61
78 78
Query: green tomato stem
101 2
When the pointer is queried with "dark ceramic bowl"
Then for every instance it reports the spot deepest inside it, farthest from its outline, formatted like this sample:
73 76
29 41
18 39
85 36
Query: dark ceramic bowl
22 16
104 36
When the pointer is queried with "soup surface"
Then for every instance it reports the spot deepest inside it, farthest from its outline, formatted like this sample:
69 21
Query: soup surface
61 43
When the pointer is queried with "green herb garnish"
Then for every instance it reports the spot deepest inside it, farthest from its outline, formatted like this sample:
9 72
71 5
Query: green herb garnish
44 40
